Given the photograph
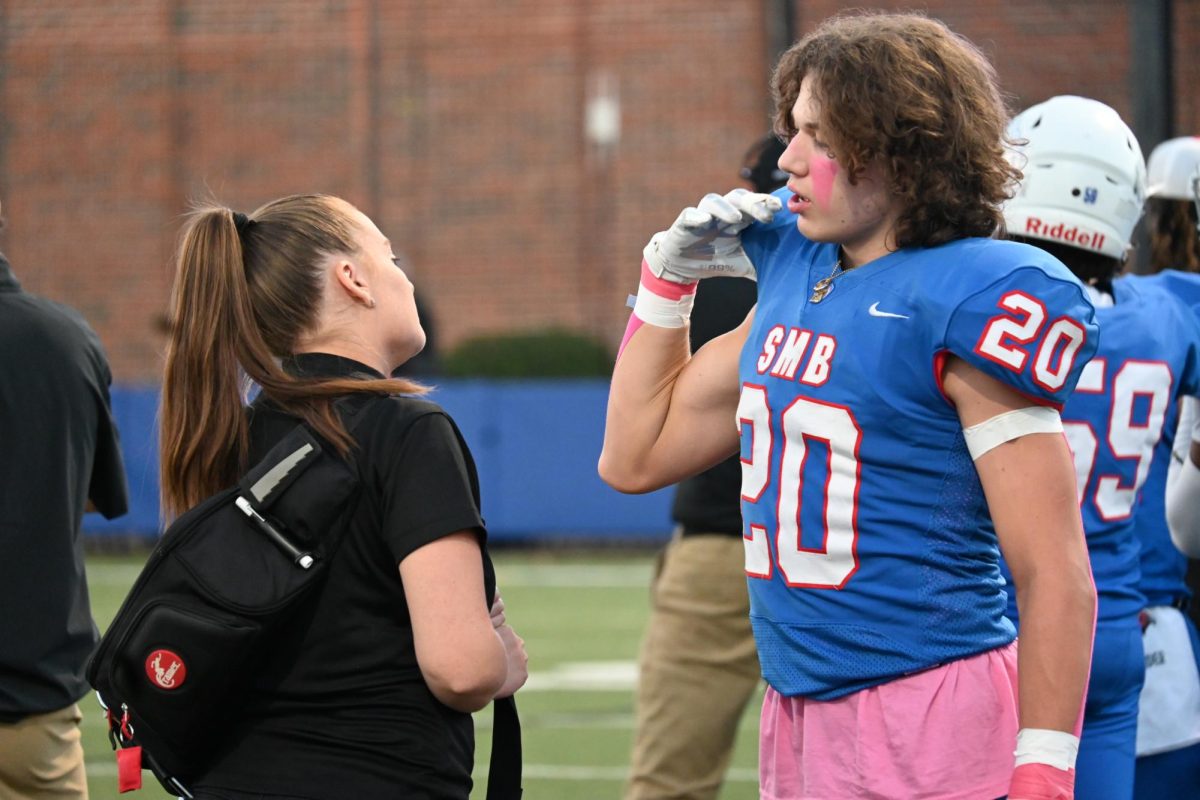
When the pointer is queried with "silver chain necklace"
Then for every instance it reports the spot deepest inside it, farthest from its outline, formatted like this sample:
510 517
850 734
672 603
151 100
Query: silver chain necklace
823 287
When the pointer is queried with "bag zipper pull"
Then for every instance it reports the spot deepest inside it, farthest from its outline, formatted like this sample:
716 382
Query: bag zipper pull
129 759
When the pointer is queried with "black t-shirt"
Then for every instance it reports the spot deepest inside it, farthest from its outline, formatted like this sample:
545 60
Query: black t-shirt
711 501
341 710
58 449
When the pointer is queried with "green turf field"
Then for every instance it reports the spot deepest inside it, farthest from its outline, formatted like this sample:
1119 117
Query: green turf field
581 615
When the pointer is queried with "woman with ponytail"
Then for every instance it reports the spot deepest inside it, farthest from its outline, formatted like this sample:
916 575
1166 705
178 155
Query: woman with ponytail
369 694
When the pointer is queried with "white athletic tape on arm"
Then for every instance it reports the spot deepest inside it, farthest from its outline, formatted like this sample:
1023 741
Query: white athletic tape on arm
1056 749
1183 508
667 304
1010 425
656 310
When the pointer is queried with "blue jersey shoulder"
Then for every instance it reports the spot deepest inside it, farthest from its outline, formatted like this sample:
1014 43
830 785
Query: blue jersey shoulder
1184 285
1010 310
1151 311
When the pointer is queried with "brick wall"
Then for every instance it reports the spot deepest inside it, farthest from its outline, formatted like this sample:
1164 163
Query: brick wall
458 125
1186 30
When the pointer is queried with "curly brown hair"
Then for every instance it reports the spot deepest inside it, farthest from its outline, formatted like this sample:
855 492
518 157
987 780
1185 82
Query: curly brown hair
905 89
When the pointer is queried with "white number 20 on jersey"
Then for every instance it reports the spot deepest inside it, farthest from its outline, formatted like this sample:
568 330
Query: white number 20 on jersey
802 422
1009 338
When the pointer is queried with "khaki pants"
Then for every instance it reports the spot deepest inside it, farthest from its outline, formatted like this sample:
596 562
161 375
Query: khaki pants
41 757
698 670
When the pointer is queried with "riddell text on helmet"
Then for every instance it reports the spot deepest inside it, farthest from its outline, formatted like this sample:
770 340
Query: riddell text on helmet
1080 237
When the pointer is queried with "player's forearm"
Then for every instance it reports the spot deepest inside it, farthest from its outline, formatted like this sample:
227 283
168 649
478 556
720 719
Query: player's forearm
654 433
1183 481
1183 504
1031 494
639 401
1058 611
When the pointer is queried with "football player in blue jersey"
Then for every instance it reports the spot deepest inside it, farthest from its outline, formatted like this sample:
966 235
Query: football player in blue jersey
1081 196
1173 205
895 393
1168 736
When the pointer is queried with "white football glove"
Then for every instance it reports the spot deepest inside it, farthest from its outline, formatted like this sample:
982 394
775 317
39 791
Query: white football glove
705 241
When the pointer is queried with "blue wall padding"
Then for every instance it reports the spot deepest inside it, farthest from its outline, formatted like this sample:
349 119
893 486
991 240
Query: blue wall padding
535 444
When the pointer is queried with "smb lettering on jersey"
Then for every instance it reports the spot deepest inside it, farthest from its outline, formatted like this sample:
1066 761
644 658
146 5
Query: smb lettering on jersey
869 550
783 349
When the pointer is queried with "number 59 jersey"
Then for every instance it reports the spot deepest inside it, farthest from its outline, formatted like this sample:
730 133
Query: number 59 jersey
1149 355
1163 567
870 552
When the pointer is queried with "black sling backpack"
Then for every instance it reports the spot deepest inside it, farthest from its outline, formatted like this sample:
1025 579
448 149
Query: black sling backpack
224 577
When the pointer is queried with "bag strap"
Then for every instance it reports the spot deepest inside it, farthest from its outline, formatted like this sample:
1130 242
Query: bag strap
504 771
300 448
266 478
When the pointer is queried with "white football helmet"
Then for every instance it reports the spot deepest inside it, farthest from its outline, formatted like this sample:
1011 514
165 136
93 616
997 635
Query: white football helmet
1085 176
1175 169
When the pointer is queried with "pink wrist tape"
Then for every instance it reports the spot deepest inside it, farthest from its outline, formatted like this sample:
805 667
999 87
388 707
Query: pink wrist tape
668 290
1041 782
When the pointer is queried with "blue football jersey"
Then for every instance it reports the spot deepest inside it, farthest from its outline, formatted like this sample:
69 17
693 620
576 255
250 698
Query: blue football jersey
869 549
1149 355
1163 567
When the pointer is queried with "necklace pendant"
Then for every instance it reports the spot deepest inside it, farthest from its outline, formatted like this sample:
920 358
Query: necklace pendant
821 289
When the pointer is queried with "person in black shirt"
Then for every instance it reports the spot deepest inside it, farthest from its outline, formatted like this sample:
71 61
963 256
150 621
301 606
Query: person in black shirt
698 666
61 456
370 692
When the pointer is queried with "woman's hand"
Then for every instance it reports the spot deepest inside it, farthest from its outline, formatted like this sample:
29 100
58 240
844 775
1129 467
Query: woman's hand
497 612
516 657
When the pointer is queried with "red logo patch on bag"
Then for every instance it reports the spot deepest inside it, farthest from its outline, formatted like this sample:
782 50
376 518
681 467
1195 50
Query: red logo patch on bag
165 669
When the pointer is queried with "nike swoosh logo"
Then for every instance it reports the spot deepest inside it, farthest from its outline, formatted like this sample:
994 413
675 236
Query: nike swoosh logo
875 312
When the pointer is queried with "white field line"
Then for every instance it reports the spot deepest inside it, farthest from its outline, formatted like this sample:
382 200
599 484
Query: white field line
585 676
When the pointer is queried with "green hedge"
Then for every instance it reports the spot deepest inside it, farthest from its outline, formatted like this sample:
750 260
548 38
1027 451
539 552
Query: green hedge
551 353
